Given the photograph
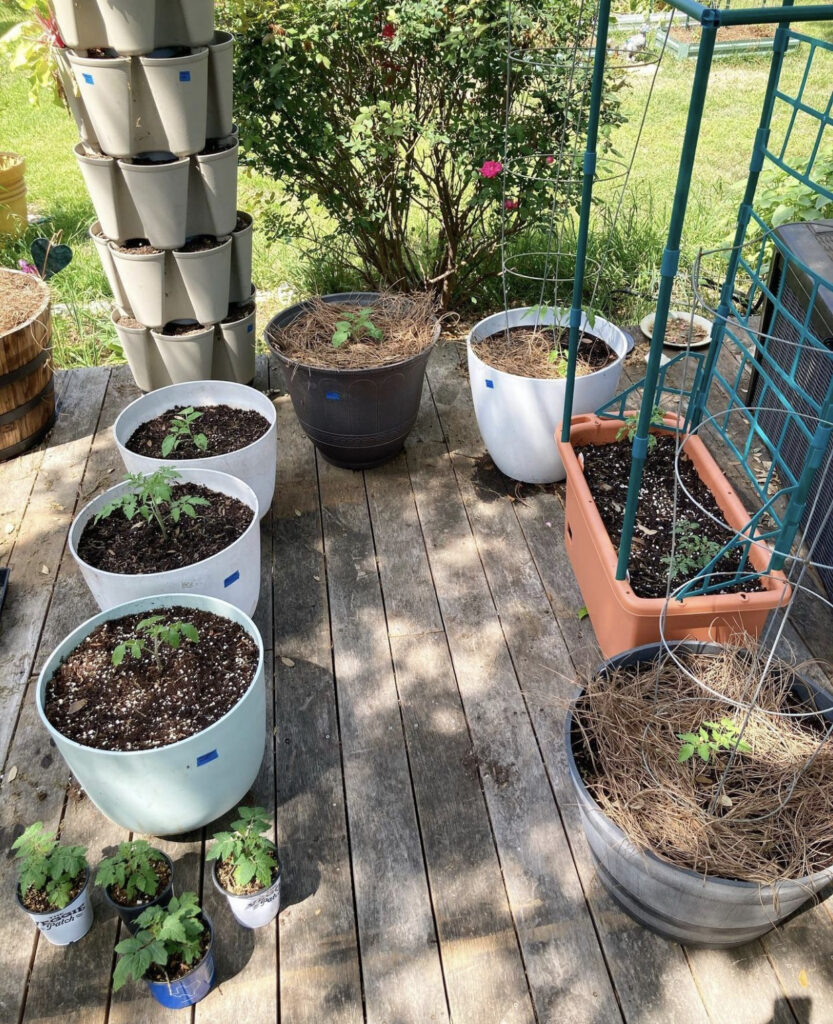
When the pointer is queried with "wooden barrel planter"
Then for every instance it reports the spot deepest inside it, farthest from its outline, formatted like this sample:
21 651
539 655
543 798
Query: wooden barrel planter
27 393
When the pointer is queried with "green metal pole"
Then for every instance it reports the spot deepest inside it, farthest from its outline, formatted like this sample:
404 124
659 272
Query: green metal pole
589 172
779 48
668 271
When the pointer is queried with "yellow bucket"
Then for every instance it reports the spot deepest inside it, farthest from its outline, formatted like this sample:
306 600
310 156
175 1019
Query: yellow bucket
13 213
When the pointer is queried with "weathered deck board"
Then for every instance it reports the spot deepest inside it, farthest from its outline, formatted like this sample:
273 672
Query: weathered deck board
425 639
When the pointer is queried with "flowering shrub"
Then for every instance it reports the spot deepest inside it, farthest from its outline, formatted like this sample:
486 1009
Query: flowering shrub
391 119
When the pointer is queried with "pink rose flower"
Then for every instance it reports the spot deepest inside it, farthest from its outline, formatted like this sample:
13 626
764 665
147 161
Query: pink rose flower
550 159
491 168
511 204
389 31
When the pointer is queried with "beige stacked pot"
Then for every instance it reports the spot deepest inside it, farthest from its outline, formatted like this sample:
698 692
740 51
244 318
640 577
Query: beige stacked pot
150 84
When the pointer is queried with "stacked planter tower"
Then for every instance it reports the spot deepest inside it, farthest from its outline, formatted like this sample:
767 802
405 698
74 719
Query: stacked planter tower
152 94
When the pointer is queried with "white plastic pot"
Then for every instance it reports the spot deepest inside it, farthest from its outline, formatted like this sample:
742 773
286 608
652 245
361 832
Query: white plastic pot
158 190
186 357
220 114
518 416
255 464
240 289
142 280
232 575
128 25
205 279
187 784
106 88
102 246
103 182
234 350
173 94
76 107
68 925
80 24
212 193
142 355
256 910
184 22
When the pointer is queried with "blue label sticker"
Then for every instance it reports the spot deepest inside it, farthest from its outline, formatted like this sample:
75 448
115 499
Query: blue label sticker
88 78
212 755
490 383
235 576
185 76
333 396
250 328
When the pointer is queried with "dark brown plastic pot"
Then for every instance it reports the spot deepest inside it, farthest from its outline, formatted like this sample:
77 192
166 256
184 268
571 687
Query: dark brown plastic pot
357 419
162 899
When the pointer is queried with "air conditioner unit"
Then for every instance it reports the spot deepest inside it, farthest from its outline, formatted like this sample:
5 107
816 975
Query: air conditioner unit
811 244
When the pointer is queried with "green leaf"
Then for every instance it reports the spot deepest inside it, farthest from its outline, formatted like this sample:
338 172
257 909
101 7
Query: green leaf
201 441
704 751
686 752
189 632
118 654
582 613
168 445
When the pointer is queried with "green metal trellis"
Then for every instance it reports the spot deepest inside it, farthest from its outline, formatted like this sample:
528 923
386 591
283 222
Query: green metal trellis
781 386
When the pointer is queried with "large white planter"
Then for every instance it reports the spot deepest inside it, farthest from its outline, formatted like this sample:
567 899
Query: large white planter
232 575
518 416
187 784
255 464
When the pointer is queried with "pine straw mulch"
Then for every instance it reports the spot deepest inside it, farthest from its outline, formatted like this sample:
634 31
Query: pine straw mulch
525 352
21 296
408 324
665 808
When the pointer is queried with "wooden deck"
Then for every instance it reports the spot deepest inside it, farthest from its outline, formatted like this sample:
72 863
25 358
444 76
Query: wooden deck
422 634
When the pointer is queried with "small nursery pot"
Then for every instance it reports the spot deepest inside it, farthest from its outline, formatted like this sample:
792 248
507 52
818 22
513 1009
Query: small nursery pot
157 184
173 93
142 355
232 575
517 416
205 280
186 357
184 785
106 88
241 260
234 350
191 987
68 925
212 192
220 114
256 910
142 280
357 419
255 464
162 899
678 904
102 247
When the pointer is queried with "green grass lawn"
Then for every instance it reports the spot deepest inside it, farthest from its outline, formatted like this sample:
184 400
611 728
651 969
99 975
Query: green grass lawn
45 135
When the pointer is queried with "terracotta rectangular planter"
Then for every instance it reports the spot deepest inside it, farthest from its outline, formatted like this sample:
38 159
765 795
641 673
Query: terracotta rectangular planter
622 620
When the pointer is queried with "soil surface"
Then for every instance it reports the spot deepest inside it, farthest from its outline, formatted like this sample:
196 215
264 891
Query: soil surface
21 296
727 34
175 968
243 221
607 469
225 876
201 243
137 247
177 329
118 895
217 146
525 351
227 430
36 901
136 547
140 705
128 321
239 312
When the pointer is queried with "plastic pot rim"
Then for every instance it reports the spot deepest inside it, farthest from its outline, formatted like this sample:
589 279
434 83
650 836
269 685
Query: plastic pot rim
255 524
80 633
58 910
199 53
650 651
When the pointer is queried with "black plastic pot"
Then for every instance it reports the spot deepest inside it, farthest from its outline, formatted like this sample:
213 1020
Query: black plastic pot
129 914
357 419
678 904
